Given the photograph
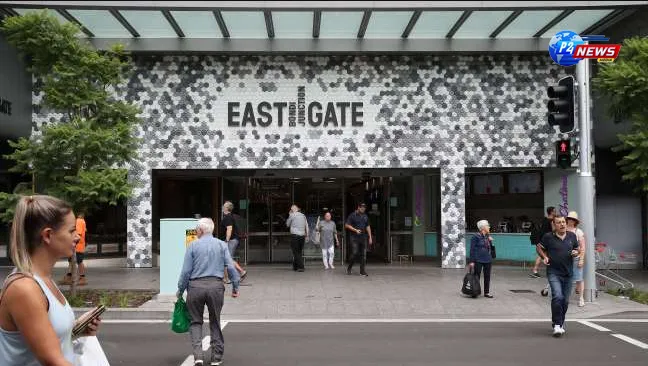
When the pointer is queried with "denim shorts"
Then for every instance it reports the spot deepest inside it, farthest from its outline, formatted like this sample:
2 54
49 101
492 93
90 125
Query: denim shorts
578 272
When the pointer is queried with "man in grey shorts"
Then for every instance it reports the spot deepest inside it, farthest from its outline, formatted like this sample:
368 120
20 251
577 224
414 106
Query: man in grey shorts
202 276
230 234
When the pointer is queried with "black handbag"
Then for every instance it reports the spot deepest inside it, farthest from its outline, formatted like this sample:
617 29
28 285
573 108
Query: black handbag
471 285
493 252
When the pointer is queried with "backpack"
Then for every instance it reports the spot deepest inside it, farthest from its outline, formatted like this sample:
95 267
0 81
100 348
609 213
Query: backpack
471 285
535 235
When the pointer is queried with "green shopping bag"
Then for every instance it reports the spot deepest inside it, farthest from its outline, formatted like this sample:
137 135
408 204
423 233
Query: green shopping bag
181 320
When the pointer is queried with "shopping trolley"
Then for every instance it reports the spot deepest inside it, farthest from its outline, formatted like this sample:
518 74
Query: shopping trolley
606 260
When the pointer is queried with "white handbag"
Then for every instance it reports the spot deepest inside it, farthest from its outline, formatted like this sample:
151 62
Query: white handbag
88 352
316 238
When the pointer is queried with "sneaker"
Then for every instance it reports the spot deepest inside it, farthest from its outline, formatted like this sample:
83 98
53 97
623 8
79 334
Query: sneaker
581 303
558 331
300 270
216 362
364 274
332 266
326 267
198 363
534 275
488 296
349 271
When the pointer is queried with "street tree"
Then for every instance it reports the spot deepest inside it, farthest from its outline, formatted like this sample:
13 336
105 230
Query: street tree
82 152
625 84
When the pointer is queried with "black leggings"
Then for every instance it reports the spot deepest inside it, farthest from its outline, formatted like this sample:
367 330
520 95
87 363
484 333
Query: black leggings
487 273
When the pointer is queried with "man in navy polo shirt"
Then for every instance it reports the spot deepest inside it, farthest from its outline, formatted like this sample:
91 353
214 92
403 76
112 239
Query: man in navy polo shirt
557 250
358 224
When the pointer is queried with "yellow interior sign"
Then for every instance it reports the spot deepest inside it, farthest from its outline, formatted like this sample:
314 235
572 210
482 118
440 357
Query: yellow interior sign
190 235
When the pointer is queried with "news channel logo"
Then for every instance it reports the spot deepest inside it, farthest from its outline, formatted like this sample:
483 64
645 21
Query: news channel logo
562 46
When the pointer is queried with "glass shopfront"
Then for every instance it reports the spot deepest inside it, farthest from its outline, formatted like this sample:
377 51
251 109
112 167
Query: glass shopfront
262 200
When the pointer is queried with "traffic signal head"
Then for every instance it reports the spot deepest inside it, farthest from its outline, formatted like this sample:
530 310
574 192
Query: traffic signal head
561 104
563 154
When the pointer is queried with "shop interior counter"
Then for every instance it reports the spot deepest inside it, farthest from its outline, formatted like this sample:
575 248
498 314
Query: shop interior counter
509 246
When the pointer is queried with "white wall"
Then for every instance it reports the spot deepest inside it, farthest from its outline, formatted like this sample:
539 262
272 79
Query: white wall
618 223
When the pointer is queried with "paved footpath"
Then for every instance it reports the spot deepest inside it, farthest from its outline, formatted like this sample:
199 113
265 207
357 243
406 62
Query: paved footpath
420 342
393 292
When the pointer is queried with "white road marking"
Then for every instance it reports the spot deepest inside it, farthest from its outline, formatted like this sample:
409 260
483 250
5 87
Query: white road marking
595 326
369 320
205 346
631 341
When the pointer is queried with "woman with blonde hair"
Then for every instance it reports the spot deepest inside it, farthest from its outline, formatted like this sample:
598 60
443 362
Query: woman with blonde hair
579 262
36 321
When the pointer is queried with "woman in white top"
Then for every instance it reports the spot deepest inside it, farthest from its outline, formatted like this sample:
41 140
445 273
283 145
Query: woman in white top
579 262
36 320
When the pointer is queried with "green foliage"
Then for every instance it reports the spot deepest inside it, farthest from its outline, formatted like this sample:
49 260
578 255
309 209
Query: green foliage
633 294
80 156
625 83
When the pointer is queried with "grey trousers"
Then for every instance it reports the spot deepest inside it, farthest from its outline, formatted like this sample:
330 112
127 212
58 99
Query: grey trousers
208 291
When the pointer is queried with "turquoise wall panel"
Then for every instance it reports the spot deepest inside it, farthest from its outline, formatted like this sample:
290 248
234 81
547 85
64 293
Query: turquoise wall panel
512 247
172 251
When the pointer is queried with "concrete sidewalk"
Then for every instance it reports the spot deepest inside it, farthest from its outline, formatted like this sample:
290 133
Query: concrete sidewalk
108 274
393 292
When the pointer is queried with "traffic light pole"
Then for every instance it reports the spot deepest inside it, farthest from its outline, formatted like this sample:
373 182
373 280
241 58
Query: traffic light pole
586 179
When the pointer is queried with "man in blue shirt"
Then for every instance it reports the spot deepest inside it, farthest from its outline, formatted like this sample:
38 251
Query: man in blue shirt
202 277
358 225
558 250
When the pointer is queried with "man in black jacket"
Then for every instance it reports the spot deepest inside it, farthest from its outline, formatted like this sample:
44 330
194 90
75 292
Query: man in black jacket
536 237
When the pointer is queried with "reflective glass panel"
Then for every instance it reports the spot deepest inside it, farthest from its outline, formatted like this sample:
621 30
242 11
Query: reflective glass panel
387 24
577 21
434 24
101 23
528 23
293 24
480 24
197 24
245 24
149 23
343 24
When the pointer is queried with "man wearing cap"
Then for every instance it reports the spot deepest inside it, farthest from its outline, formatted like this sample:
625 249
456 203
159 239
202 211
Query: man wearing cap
579 262
358 224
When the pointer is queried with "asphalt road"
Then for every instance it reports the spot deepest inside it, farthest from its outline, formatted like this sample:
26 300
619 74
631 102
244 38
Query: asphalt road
375 344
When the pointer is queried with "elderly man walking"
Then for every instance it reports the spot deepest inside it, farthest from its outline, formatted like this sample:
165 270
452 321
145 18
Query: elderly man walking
299 229
202 277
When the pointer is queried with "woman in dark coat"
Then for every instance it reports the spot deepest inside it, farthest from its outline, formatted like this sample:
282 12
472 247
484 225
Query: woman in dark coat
480 254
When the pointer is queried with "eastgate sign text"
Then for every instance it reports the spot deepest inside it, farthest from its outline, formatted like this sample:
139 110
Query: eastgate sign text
330 114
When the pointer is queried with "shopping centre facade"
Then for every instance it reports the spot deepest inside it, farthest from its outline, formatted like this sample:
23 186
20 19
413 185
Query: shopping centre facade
434 116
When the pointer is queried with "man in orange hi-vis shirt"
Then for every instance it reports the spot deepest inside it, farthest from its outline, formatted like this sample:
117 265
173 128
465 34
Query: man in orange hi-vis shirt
80 252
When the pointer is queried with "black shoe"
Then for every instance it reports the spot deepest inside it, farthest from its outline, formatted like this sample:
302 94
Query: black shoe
364 274
349 271
300 270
